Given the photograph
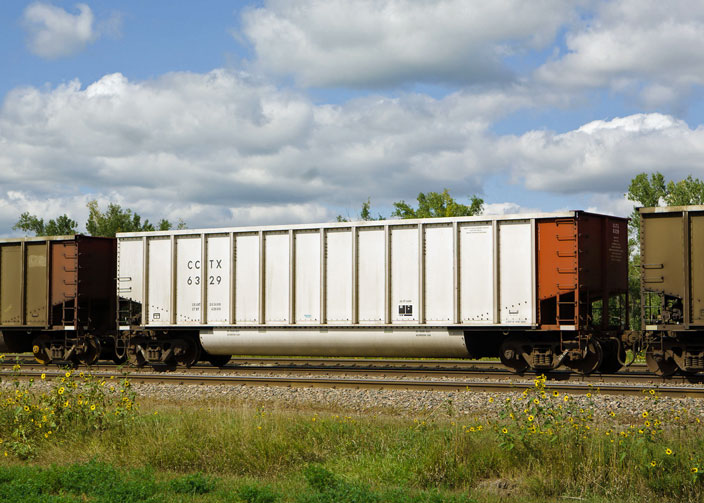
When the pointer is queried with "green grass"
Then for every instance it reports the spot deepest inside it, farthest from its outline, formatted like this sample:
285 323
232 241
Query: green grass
543 447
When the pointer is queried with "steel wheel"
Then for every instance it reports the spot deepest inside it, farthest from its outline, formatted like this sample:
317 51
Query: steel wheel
511 357
614 355
188 354
660 366
40 350
217 360
92 353
591 361
135 357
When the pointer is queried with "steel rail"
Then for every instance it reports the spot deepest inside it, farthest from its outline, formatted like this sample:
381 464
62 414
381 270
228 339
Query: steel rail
368 368
382 384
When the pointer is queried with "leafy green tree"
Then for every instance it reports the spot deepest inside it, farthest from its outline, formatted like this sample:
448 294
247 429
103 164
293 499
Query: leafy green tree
365 213
437 205
115 220
62 226
430 205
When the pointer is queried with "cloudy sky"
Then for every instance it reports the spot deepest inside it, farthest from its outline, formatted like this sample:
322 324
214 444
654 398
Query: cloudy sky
235 113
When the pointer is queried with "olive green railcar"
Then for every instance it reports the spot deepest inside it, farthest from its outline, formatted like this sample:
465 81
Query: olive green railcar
672 287
57 297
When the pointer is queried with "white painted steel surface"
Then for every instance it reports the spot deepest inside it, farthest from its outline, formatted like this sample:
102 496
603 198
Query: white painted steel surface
159 281
361 275
371 276
439 270
276 274
309 341
247 279
130 254
189 277
404 274
476 243
217 279
307 277
338 275
516 251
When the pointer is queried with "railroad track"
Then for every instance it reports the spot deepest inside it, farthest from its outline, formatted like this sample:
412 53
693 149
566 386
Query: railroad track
381 384
444 375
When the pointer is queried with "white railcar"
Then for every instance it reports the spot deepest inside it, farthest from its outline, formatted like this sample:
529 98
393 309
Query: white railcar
379 288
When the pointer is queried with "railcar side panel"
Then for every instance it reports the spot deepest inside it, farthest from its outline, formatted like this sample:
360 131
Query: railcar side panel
338 276
439 271
371 279
159 287
10 284
189 279
662 257
696 262
477 273
277 272
36 284
218 275
307 277
516 263
404 274
247 289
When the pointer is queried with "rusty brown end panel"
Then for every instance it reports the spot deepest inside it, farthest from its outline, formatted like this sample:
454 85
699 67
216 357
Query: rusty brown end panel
97 282
63 281
603 257
580 259
557 257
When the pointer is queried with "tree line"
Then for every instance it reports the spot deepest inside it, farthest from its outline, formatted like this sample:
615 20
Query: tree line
100 223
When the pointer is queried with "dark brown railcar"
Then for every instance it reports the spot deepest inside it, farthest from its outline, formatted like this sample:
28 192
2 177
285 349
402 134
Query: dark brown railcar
672 287
57 297
582 296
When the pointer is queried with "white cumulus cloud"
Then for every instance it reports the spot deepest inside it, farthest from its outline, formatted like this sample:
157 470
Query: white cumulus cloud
387 42
53 33
645 48
603 156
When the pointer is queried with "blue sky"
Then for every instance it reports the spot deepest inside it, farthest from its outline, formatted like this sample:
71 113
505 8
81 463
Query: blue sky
238 113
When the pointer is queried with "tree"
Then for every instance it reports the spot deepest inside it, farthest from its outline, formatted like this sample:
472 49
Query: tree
365 213
654 190
107 223
115 220
438 205
62 226
430 205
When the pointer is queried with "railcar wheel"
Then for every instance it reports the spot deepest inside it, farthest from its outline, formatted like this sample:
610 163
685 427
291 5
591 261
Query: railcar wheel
188 353
119 360
92 353
658 365
614 355
511 355
135 356
218 360
40 350
591 360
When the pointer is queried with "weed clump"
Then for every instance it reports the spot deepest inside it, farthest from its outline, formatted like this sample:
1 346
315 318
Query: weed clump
69 404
